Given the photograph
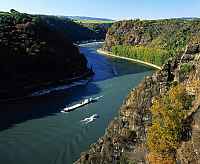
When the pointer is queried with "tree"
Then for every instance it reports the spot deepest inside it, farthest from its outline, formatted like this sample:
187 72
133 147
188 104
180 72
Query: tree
152 55
168 112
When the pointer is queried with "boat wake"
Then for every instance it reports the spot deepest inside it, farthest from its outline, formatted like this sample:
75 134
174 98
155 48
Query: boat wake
59 88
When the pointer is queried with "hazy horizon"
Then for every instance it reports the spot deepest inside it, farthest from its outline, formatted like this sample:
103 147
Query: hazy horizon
112 9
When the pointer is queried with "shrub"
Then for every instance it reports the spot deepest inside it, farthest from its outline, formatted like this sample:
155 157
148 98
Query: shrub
168 112
155 159
186 68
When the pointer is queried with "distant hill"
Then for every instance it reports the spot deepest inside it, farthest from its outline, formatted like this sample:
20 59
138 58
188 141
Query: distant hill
88 18
189 18
83 19
75 31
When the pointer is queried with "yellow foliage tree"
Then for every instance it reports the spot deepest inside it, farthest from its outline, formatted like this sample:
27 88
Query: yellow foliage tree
168 112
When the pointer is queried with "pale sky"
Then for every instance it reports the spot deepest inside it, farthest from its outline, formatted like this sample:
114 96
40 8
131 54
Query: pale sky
114 9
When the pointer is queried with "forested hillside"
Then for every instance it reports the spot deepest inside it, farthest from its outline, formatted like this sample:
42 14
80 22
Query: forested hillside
100 28
34 54
165 37
76 32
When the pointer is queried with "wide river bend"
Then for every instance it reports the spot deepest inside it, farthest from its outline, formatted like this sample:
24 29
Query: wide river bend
35 132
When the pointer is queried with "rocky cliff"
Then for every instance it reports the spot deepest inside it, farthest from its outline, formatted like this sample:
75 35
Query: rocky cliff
125 139
172 34
34 54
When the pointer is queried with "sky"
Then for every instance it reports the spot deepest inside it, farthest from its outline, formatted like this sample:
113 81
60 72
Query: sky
113 9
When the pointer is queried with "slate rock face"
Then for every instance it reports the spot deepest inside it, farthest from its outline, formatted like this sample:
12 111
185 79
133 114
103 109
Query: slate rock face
193 49
165 34
189 151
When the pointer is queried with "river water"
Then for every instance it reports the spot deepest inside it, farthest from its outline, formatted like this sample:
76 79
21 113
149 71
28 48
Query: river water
36 132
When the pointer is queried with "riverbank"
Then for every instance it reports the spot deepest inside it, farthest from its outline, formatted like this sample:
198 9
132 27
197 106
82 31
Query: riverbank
46 86
134 60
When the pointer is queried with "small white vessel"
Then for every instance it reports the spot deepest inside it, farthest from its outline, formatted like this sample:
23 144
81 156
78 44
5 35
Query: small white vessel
90 119
83 103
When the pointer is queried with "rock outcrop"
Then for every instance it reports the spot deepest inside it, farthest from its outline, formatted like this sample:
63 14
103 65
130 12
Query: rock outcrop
189 151
168 34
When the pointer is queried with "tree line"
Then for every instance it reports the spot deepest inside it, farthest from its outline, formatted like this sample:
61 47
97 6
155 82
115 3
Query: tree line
147 54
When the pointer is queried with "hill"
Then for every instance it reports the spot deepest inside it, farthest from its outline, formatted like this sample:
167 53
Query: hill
76 32
84 19
96 27
34 54
139 38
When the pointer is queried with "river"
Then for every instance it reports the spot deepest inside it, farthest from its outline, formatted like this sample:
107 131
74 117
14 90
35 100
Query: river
36 132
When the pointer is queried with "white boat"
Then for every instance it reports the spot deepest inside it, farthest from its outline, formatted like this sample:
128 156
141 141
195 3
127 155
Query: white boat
90 119
83 103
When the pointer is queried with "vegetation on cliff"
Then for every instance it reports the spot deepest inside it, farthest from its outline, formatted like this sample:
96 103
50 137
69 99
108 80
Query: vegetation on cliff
33 53
76 32
91 28
100 29
171 36
151 55
166 132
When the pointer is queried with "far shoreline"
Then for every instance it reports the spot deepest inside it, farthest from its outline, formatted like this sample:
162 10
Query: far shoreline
130 59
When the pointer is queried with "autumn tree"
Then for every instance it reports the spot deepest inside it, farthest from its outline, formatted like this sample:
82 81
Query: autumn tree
168 113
